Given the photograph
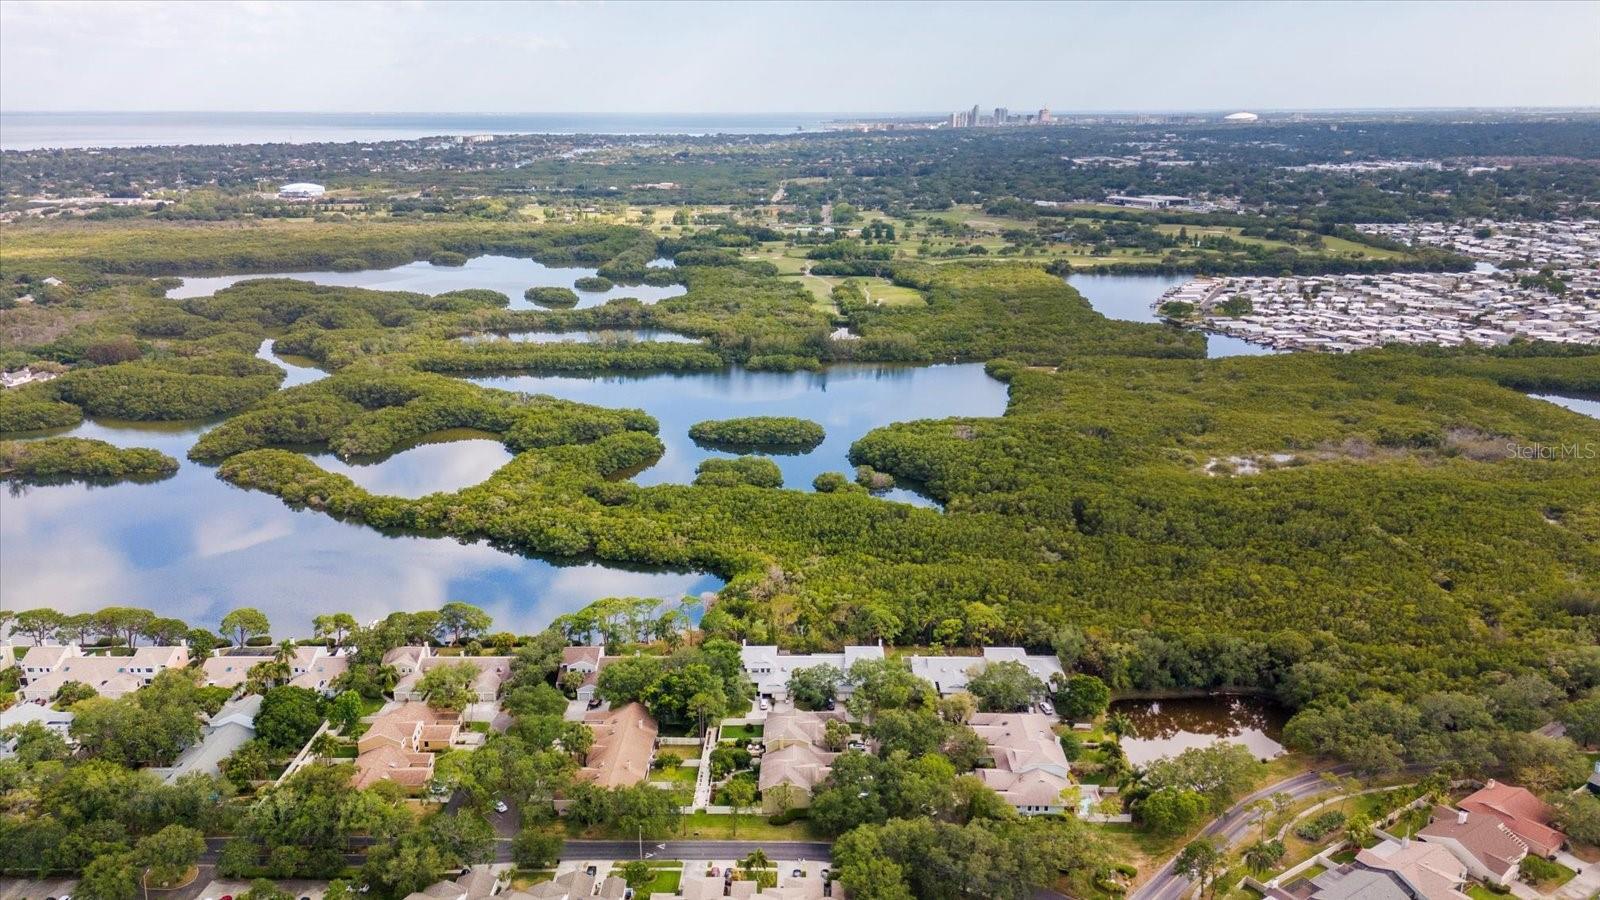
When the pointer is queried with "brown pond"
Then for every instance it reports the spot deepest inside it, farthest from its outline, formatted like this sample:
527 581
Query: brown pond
1169 727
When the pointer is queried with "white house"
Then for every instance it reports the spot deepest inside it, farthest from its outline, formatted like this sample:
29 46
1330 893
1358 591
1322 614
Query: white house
57 720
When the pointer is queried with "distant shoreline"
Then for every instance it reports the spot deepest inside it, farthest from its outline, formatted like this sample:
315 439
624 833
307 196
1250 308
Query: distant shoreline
104 130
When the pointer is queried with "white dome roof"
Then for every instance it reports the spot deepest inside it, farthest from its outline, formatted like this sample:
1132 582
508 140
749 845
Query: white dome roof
1241 117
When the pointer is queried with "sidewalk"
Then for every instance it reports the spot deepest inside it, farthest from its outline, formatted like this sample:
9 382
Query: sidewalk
702 777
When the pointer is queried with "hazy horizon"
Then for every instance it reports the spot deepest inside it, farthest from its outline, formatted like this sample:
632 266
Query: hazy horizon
721 58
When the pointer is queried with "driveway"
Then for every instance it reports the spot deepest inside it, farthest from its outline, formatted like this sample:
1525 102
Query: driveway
1585 884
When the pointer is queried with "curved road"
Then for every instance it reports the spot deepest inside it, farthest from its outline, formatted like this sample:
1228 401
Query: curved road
1232 827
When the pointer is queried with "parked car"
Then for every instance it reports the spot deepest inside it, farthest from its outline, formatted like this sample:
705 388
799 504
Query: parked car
714 872
1047 708
798 873
500 806
764 704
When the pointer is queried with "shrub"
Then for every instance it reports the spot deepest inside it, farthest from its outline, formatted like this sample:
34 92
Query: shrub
752 432
474 296
60 458
873 480
348 264
752 470
448 258
834 482
1536 869
551 296
594 283
1320 826
794 814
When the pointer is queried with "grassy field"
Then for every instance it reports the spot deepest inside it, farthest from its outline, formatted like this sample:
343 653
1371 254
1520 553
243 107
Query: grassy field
706 826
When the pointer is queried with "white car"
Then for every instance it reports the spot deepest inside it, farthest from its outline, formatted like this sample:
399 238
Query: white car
500 806
764 705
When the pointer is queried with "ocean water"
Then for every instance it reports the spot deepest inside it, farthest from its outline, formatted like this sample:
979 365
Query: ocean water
35 130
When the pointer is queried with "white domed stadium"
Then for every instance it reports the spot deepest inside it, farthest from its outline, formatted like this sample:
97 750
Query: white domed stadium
1241 117
301 190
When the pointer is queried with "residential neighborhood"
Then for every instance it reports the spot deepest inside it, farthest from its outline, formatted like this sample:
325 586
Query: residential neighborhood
792 739
1535 281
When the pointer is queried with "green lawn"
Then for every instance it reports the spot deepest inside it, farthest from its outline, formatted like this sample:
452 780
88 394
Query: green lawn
741 732
1480 892
1312 871
674 774
751 828
1559 875
668 875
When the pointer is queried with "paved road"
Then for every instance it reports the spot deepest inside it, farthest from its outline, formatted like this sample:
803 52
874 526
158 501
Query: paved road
1233 826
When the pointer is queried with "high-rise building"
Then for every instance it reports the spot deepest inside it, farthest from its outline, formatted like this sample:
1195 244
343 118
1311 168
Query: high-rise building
1001 114
1044 116
972 121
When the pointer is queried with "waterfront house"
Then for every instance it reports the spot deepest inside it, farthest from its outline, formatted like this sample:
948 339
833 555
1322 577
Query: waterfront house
111 676
1030 769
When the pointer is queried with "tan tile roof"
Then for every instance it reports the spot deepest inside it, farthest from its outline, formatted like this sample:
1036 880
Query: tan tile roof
1431 871
1491 843
398 726
798 726
624 742
573 655
388 763
801 765
1030 768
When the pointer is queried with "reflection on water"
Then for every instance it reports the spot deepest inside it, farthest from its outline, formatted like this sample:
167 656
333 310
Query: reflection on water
193 547
1221 345
1129 298
607 336
1589 406
847 400
507 274
1125 297
299 369
443 461
1169 727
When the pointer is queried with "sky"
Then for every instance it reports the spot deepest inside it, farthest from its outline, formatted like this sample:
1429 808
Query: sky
792 57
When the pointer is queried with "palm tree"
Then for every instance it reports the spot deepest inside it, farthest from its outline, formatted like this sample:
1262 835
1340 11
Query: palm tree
1263 855
1120 725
